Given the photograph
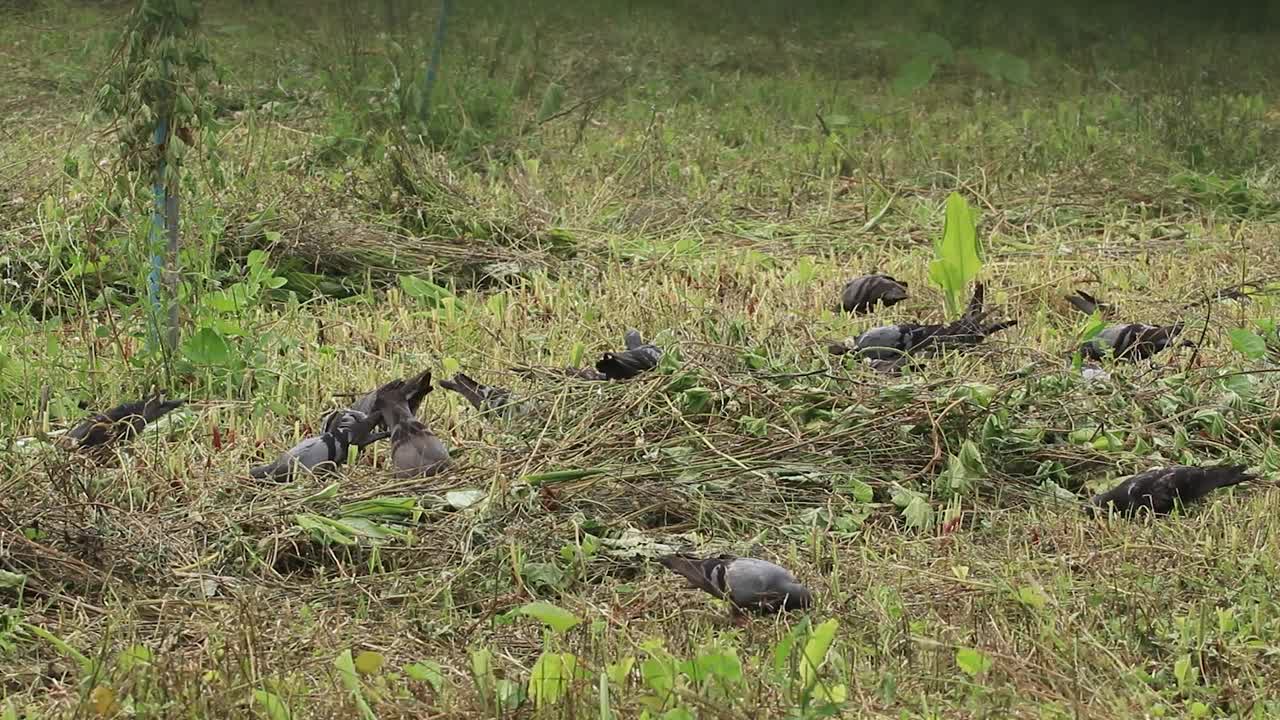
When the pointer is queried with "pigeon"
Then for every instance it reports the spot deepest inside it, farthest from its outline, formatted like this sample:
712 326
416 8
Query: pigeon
1158 490
120 423
747 583
415 450
417 388
888 345
320 453
861 295
1131 342
485 398
637 358
1088 304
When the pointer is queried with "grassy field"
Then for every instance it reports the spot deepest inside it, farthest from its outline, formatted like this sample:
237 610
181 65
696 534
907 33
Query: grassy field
710 178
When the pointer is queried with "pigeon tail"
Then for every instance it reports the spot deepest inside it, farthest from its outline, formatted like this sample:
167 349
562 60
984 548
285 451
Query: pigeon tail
632 339
1086 303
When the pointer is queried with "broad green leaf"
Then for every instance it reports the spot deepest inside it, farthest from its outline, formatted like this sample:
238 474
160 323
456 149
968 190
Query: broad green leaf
207 347
12 580
272 705
914 74
1248 343
861 491
958 257
722 663
815 651
426 671
553 616
972 662
550 677
659 674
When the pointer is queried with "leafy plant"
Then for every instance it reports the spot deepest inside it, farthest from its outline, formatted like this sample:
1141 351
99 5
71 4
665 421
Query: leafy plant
957 254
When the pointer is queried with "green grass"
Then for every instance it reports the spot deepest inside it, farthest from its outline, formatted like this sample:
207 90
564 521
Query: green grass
689 189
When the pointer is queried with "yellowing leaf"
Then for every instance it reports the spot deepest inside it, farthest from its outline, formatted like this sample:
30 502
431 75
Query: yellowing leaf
368 662
104 700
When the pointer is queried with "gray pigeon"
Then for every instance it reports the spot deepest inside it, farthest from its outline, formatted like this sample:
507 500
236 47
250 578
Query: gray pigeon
120 423
1160 489
415 450
861 295
889 345
1131 342
324 452
747 583
637 358
416 389
485 398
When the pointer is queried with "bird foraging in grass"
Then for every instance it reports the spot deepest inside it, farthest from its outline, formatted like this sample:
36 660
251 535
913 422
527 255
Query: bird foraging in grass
485 398
1159 490
1132 342
416 389
415 450
860 295
637 358
119 424
324 452
747 583
889 346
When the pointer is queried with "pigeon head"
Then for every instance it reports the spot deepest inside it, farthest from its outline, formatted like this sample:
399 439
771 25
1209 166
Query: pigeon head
349 423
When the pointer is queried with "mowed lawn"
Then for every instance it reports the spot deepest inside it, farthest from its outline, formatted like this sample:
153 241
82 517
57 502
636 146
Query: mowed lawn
710 177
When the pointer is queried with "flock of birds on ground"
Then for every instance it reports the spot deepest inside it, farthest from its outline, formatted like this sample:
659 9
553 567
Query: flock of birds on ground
390 412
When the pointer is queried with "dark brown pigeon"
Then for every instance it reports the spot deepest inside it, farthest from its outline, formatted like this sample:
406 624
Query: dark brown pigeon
639 357
119 424
1131 342
1160 489
861 295
415 450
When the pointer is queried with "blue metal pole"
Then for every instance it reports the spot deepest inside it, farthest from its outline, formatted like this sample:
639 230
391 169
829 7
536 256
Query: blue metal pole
430 83
155 242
